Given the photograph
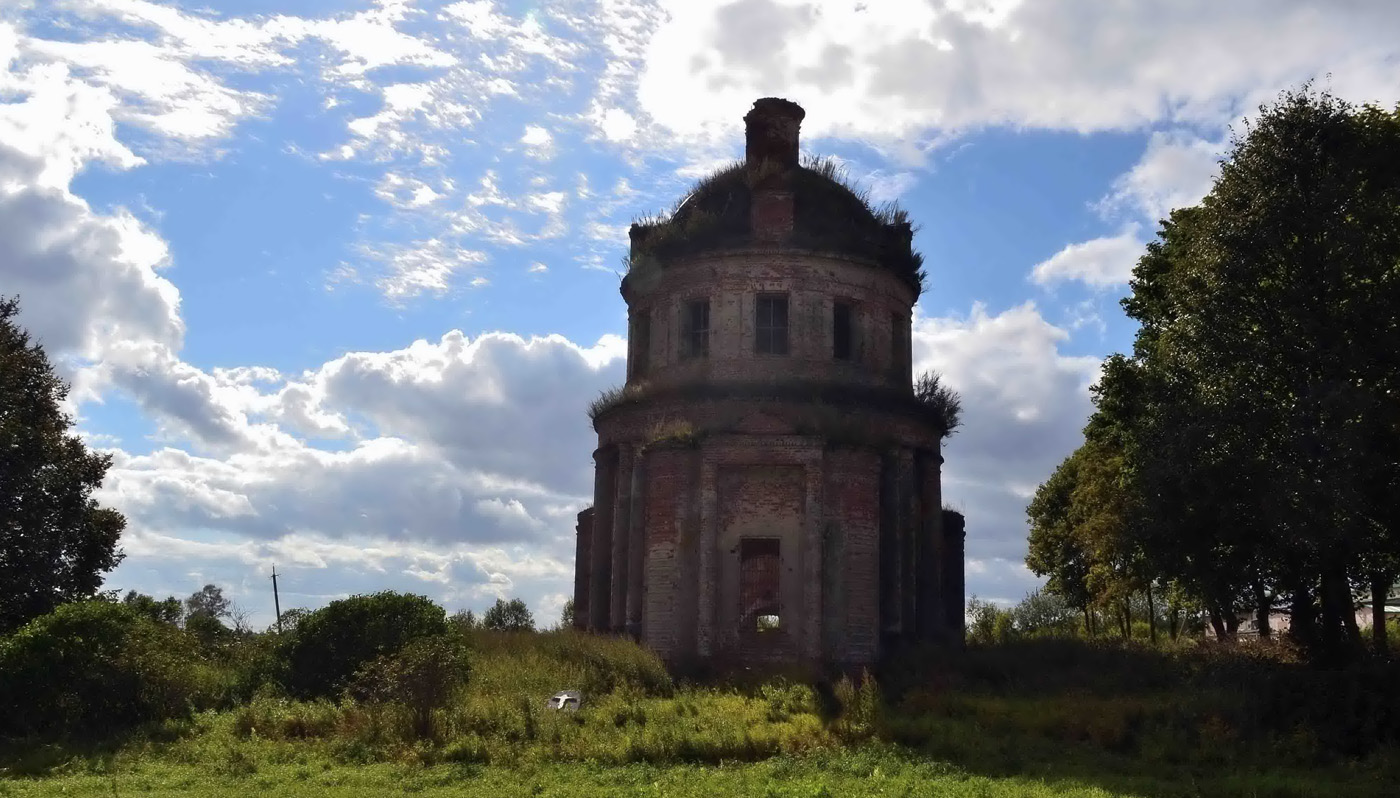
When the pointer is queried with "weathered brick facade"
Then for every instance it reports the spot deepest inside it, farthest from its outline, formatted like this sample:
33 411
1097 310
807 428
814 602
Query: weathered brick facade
768 488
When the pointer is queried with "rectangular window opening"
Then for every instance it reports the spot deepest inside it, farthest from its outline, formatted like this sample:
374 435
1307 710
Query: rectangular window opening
771 324
641 345
759 563
695 329
841 330
899 337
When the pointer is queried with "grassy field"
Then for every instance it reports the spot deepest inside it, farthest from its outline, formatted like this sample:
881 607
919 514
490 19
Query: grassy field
1040 718
1002 768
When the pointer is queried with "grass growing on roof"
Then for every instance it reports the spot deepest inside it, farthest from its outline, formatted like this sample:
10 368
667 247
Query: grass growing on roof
832 213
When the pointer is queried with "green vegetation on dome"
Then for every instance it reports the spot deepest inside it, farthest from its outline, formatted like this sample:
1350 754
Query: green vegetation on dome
831 213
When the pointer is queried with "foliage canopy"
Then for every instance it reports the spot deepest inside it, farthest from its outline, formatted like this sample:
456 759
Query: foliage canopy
332 643
1246 454
55 541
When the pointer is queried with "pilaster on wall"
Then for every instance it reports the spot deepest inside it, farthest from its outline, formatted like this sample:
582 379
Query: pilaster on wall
600 580
852 510
812 564
891 550
932 618
708 559
621 537
954 589
665 504
907 519
636 547
583 558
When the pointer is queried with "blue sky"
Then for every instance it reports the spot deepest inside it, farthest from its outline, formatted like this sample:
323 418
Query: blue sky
334 281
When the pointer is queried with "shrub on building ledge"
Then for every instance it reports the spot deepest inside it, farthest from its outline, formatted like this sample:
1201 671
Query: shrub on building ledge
616 397
942 403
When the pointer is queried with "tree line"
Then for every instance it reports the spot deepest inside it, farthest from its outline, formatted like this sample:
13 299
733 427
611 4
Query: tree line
1244 457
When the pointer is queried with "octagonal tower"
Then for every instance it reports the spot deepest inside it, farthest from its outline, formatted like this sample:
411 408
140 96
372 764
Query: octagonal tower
767 485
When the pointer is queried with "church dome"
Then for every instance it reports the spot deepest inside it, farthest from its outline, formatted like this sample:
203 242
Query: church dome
820 210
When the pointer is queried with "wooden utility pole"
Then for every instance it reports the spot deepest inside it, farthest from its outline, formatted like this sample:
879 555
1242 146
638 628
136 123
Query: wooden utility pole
276 604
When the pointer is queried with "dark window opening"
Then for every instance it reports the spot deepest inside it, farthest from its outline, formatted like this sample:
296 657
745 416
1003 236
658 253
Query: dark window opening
899 336
695 329
841 330
759 563
641 344
771 325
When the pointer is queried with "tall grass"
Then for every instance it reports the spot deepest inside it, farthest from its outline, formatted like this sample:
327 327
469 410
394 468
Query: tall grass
1133 720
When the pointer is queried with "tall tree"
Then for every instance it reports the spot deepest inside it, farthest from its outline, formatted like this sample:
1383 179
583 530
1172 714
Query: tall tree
208 602
508 616
168 611
55 541
1059 547
1257 413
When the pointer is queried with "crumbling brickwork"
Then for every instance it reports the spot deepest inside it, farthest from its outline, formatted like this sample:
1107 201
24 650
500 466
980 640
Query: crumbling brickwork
769 490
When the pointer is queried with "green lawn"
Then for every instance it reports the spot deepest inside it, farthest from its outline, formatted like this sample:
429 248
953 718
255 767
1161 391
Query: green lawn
996 769
863 773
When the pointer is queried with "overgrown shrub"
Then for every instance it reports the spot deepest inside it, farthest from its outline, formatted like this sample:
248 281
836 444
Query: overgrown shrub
862 709
422 676
92 668
254 663
330 644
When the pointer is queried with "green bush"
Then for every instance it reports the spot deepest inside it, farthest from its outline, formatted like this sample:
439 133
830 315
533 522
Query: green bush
422 676
95 667
254 664
330 644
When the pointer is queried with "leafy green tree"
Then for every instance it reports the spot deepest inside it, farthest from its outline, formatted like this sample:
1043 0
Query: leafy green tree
55 541
167 611
566 618
464 621
1256 415
508 616
988 623
291 618
208 601
1080 537
1042 614
1056 549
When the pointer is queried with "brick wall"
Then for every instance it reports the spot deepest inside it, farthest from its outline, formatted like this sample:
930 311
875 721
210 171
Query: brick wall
812 282
767 502
669 526
852 511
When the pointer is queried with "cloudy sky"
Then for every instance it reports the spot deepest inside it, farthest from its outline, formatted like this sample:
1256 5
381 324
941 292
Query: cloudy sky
335 279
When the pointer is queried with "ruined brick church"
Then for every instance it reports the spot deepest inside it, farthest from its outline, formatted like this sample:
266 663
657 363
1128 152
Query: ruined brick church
767 484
